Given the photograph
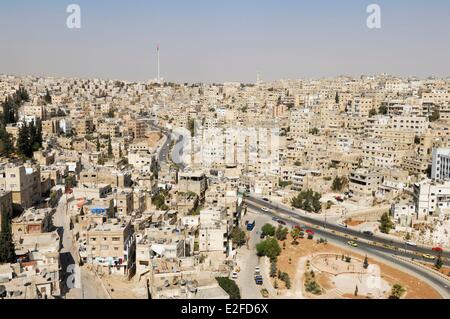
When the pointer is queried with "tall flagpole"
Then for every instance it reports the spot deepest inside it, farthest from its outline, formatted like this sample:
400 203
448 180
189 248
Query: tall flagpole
159 78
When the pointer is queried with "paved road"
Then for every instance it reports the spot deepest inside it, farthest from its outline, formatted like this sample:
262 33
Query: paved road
163 153
87 286
308 218
248 260
379 252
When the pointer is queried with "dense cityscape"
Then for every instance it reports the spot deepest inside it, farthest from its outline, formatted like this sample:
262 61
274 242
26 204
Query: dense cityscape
334 188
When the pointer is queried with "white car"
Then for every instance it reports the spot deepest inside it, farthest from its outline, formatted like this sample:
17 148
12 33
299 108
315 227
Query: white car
234 275
411 243
257 269
265 209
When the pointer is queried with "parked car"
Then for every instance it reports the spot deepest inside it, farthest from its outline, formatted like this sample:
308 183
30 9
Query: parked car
251 226
265 199
368 233
310 231
281 222
274 219
234 275
264 293
265 209
339 199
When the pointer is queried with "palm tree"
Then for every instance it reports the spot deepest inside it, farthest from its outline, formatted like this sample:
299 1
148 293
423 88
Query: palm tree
397 291
295 233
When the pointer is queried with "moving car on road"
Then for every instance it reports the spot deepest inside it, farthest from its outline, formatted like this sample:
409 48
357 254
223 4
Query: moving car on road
265 209
428 256
411 243
281 222
352 243
368 233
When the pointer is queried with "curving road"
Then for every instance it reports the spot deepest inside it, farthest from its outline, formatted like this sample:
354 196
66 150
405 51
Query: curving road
305 217
384 253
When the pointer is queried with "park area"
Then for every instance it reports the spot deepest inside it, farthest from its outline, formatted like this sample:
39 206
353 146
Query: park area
318 269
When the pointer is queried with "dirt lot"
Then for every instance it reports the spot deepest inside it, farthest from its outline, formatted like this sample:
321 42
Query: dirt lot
120 288
287 262
353 223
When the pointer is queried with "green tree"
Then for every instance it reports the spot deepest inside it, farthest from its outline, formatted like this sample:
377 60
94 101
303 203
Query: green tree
308 200
383 110
238 237
273 269
159 201
281 233
397 291
70 181
366 263
110 150
435 115
386 223
34 139
7 250
269 248
336 98
356 291
23 142
372 113
230 287
6 145
47 97
314 131
191 127
439 263
295 233
339 183
98 144
268 230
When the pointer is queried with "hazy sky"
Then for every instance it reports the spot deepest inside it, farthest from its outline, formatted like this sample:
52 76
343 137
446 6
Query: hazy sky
227 40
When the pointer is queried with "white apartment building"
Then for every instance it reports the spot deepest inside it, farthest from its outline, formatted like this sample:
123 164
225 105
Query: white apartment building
215 230
403 214
141 160
440 169
431 198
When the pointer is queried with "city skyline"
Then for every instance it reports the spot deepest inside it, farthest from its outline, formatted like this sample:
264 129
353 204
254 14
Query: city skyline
205 42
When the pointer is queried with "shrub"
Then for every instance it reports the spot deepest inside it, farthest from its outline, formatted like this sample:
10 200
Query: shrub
230 287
